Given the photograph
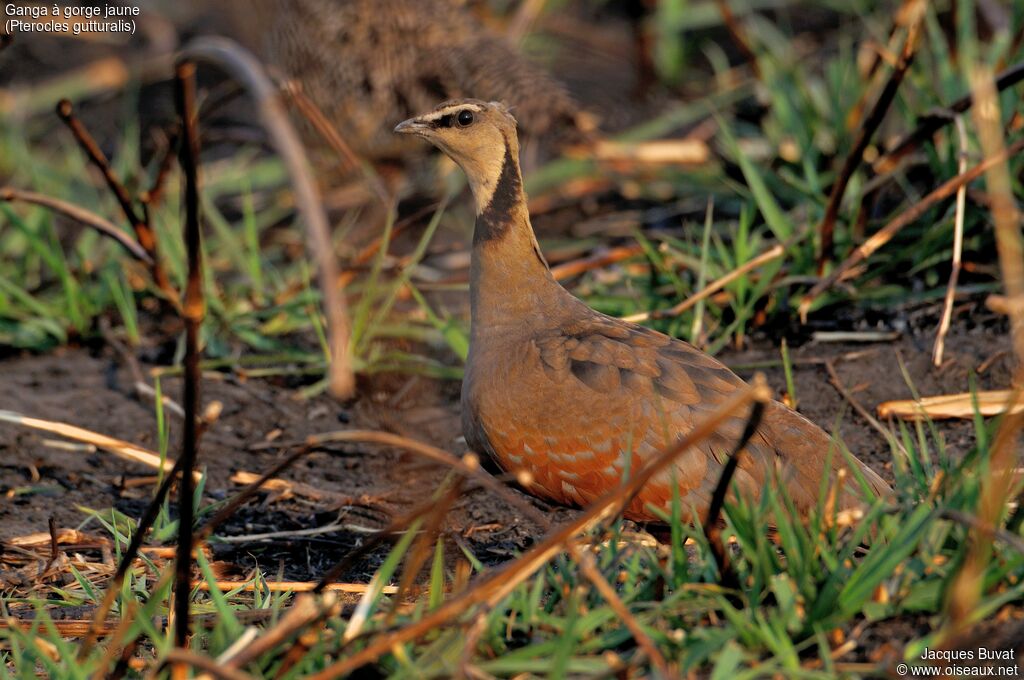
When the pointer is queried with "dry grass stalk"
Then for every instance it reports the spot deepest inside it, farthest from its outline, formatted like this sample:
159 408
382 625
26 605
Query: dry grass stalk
998 483
114 645
596 260
859 408
65 627
118 447
589 569
81 215
289 586
246 69
886 233
958 247
946 406
494 587
657 152
826 228
773 253
424 543
306 611
154 195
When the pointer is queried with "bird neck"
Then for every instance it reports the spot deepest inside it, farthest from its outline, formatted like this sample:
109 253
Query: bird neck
509 279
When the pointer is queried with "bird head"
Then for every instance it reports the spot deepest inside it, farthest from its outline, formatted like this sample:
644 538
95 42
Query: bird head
477 135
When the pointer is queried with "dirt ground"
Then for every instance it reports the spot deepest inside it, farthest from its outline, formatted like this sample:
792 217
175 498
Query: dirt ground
361 487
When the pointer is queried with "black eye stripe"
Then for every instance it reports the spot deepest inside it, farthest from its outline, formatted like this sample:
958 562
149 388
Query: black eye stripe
445 121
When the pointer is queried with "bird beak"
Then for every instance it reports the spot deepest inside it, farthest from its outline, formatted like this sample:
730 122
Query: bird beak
413 126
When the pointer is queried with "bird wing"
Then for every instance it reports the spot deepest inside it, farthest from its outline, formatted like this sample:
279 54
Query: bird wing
673 386
669 387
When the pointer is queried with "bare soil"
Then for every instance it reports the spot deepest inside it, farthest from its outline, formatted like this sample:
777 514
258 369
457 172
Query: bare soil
362 487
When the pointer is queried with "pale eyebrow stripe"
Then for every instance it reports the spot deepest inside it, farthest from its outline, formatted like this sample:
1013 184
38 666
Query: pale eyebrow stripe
449 110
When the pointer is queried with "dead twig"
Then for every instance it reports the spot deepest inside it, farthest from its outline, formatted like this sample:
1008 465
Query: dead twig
193 311
245 68
330 134
712 530
958 246
495 586
144 233
773 253
81 215
932 123
886 233
826 228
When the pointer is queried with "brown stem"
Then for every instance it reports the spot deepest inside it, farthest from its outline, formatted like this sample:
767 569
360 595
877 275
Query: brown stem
826 229
193 312
143 231
81 215
153 197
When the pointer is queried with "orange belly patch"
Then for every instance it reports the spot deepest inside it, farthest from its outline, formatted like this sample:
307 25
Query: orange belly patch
576 470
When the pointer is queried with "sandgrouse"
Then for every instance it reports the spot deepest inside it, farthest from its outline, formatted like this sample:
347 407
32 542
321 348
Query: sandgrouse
578 398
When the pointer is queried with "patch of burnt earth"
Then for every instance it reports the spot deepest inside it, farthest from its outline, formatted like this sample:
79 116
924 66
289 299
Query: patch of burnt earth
356 487
871 373
360 488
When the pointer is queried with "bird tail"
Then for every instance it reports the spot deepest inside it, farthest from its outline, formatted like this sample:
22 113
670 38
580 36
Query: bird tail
805 448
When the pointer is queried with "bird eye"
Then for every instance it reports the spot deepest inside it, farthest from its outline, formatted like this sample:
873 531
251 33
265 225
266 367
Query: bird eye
465 117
